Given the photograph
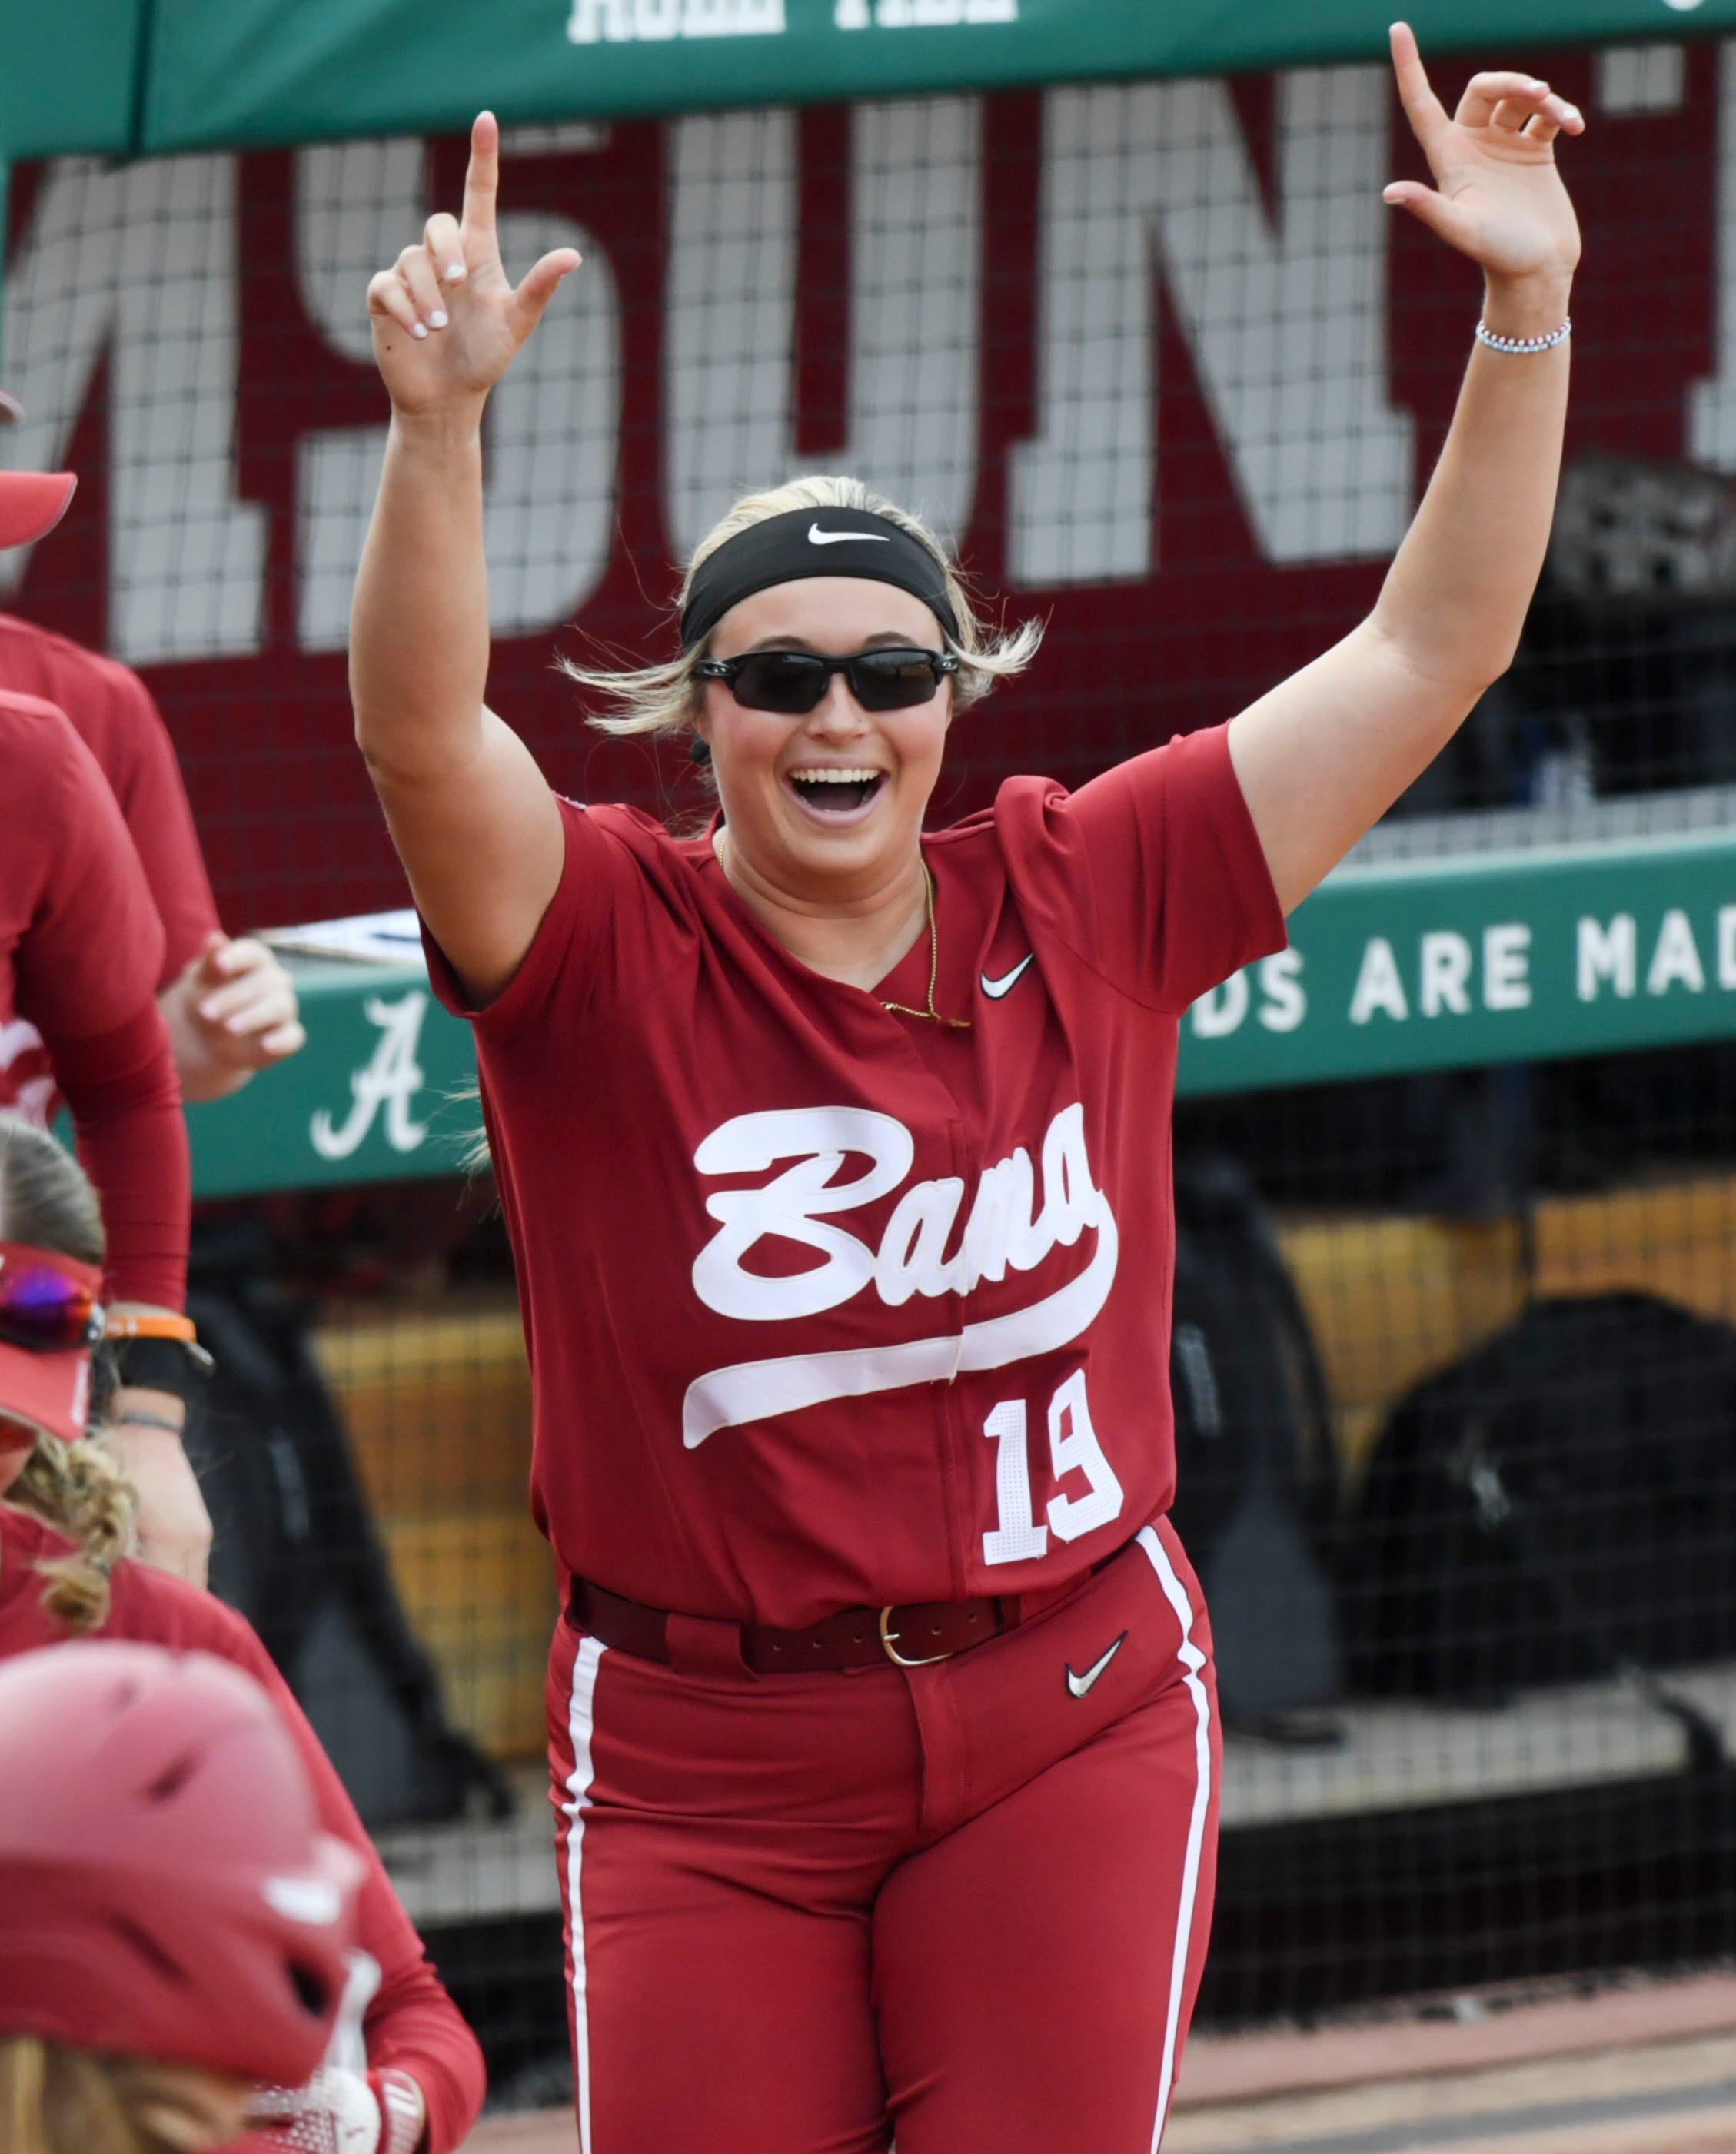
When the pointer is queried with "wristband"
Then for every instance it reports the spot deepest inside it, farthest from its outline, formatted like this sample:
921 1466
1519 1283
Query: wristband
136 1417
156 1349
155 1362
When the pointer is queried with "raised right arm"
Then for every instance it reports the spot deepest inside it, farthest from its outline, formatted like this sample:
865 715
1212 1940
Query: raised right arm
473 819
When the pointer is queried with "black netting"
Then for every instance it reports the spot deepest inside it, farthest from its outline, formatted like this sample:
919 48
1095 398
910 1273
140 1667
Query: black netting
1158 358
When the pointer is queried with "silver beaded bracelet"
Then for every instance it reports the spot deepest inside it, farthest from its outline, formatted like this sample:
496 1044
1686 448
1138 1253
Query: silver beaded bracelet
1485 334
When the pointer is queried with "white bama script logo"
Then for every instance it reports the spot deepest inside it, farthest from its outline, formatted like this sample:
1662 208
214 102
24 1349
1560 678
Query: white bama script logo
1006 1229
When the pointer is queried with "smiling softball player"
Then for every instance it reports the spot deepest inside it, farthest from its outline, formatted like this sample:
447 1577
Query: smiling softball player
835 1156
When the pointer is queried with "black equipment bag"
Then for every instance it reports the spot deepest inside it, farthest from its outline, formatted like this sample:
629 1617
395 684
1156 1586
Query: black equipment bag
1256 1466
296 1551
1557 1505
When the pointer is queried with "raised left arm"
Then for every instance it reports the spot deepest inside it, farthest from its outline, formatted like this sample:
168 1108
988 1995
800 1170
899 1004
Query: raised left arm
1325 755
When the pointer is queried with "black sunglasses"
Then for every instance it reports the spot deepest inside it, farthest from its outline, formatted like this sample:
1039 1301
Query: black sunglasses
793 681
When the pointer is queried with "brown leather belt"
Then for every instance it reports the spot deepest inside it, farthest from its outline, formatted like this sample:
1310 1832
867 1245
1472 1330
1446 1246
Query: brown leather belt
853 1638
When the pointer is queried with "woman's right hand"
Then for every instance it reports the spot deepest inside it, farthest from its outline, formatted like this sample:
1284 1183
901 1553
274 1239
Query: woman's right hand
447 319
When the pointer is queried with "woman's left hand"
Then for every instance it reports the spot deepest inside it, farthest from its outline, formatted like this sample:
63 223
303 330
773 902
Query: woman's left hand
1498 197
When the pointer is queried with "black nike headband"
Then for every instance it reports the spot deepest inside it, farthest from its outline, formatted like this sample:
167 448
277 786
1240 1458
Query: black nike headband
813 542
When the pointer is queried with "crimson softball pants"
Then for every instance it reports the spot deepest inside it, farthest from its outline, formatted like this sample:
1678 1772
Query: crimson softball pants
964 1903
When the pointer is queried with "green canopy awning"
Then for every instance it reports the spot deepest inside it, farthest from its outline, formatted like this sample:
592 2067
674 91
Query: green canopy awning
126 75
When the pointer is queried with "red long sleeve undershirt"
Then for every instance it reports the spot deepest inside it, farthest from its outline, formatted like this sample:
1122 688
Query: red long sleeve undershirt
125 1099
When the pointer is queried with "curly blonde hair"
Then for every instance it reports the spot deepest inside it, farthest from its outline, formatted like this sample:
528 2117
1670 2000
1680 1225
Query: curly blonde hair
667 699
46 1200
55 2100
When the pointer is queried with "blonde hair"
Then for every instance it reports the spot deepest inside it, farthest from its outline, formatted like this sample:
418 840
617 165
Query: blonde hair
55 2100
667 698
46 1200
78 1490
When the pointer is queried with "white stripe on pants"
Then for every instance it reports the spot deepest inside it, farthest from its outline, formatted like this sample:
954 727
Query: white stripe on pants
578 1724
1193 1660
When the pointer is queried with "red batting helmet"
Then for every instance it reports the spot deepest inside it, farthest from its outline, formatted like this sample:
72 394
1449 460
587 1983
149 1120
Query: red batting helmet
31 502
166 1890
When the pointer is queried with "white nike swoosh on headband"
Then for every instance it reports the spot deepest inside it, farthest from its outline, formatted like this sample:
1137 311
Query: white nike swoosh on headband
816 537
994 989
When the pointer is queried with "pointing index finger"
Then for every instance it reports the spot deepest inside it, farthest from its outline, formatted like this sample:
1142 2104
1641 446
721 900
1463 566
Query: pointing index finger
481 178
1422 107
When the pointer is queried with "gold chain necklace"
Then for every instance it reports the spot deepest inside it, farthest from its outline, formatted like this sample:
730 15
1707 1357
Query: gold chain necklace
904 1009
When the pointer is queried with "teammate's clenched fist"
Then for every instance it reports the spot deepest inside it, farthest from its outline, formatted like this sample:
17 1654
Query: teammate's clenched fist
446 318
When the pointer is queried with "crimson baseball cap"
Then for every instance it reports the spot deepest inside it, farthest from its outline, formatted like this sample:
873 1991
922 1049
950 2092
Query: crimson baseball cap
31 504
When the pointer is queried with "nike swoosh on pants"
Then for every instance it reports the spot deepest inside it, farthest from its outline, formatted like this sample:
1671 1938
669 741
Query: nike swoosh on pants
1079 1685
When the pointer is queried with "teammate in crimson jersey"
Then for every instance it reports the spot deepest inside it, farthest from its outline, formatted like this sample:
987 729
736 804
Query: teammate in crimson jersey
230 1006
80 953
173 1922
413 2077
834 1155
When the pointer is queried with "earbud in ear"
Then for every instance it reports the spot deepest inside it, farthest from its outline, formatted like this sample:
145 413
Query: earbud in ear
699 751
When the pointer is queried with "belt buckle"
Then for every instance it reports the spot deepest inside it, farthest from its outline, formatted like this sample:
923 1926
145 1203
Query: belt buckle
888 1646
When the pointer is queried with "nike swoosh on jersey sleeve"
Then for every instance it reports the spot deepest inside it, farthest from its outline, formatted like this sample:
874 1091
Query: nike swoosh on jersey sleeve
994 989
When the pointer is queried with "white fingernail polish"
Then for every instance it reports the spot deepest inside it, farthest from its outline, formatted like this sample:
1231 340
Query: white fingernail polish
436 320
418 329
454 271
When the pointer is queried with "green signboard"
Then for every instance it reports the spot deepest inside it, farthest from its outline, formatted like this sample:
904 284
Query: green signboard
385 1088
1502 958
223 73
1505 957
72 77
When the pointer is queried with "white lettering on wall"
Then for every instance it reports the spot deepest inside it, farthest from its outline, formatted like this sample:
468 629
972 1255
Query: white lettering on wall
1507 966
553 421
1221 1009
920 14
1606 953
1378 985
619 22
554 438
1446 973
1711 404
1285 1003
1675 957
916 276
1286 321
357 204
138 262
1283 1006
1641 78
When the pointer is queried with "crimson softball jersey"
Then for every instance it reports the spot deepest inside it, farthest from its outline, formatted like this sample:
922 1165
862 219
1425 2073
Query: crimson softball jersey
81 953
827 1304
113 713
411 2024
